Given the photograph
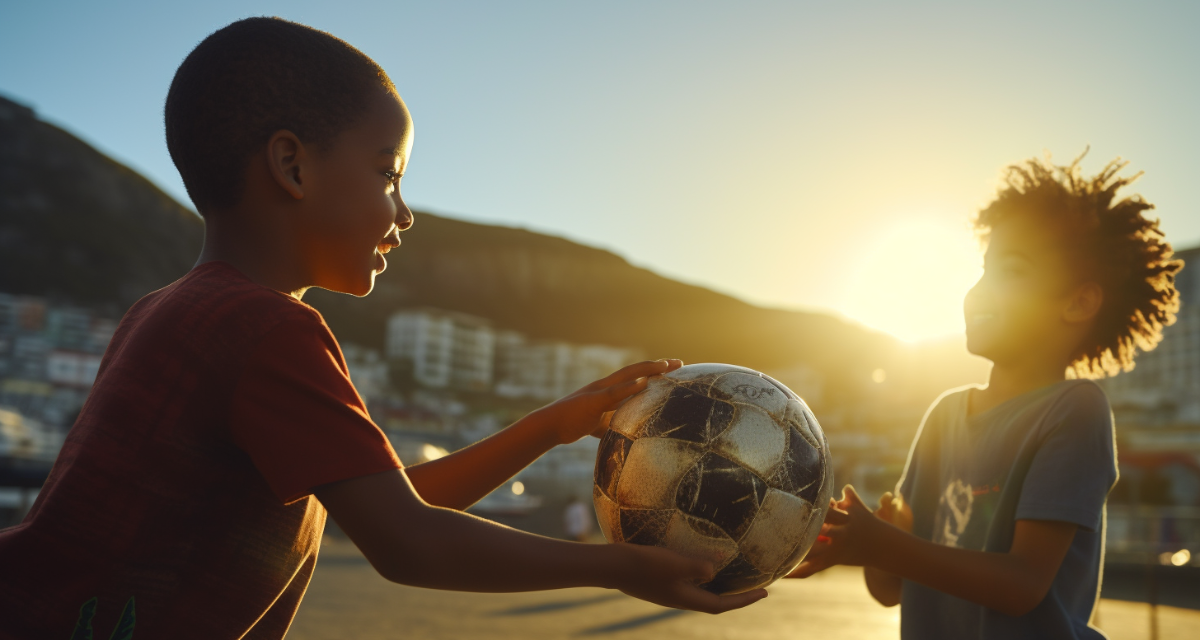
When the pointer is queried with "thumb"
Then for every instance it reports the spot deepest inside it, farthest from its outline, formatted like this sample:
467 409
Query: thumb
701 570
851 497
836 516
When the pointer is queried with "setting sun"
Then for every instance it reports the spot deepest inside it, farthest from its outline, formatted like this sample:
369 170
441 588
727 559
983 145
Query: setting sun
909 279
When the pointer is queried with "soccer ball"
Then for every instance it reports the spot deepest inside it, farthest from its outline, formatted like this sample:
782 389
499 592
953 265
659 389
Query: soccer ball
719 462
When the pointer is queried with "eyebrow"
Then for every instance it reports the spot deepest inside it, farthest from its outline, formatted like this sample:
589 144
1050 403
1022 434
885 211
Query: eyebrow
392 151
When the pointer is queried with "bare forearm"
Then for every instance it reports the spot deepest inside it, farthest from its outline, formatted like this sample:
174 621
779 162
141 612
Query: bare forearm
883 586
411 542
462 478
995 580
464 553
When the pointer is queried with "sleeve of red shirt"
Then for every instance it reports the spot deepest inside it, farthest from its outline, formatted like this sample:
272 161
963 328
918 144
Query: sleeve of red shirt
298 416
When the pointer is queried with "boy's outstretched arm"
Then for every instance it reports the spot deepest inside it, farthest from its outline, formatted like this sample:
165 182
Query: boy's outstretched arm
410 542
462 478
1012 583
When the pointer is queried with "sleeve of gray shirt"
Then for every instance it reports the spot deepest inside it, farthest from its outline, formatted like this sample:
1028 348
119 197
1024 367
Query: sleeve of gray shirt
1075 464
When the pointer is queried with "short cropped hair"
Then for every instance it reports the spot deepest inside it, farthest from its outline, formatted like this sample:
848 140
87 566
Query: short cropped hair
1111 242
250 79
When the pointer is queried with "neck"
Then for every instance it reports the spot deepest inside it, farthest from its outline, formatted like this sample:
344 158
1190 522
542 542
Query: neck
266 258
1008 380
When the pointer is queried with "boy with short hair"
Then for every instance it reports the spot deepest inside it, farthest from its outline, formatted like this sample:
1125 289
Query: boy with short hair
191 494
997 526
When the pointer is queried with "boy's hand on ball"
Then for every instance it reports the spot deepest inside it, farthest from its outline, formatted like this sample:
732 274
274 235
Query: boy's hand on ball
588 410
670 579
845 537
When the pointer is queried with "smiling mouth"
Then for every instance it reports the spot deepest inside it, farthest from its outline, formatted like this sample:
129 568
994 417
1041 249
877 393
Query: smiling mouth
982 318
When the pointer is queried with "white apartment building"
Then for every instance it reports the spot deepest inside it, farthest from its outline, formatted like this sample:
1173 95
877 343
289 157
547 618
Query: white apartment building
1164 388
368 372
454 350
446 349
546 370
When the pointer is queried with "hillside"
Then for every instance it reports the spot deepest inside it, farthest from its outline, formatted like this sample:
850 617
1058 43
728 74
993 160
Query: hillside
79 227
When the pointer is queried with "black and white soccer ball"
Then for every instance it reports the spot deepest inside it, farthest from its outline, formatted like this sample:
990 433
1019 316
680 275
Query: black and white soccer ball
720 462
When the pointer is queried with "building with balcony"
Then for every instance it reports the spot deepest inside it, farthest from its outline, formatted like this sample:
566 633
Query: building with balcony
545 370
444 349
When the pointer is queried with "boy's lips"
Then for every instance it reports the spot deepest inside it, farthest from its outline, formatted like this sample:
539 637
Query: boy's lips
390 241
982 318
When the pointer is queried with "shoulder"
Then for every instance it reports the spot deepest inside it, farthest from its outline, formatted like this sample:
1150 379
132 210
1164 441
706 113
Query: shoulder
1081 397
950 402
942 412
229 298
1078 409
214 314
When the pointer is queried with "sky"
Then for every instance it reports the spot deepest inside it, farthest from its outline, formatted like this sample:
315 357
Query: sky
819 156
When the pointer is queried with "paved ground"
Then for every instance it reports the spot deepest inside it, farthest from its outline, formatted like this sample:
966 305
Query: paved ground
348 600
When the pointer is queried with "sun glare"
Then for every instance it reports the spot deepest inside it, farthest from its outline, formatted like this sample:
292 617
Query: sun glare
909 279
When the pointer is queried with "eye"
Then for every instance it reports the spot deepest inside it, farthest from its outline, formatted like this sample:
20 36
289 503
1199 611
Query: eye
392 176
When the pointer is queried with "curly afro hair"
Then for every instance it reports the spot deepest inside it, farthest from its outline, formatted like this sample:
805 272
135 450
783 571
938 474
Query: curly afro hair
250 79
1114 244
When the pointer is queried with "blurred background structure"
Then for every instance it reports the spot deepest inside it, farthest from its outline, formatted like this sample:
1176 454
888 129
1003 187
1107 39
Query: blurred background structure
787 188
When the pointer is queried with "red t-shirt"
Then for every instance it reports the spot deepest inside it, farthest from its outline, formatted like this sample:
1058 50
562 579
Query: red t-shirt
186 481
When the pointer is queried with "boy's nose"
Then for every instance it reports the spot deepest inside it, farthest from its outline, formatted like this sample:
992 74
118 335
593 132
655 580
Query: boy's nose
404 218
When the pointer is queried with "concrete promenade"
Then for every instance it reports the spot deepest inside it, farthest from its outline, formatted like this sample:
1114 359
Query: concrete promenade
348 600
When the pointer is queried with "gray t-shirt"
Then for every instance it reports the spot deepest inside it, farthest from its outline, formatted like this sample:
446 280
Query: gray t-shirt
1046 455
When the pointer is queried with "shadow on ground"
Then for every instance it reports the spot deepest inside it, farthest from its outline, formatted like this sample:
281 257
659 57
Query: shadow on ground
557 605
632 623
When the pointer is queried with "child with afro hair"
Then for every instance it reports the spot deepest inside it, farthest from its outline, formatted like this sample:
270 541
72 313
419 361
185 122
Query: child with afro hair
996 528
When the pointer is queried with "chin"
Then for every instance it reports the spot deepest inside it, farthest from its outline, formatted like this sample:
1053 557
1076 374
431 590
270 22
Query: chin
979 346
365 287
358 286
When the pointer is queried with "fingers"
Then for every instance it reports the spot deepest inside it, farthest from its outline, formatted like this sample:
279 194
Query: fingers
885 500
618 392
736 601
602 426
837 517
639 370
699 570
809 568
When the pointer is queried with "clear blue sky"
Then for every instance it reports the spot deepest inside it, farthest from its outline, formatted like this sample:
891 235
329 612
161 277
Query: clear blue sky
796 154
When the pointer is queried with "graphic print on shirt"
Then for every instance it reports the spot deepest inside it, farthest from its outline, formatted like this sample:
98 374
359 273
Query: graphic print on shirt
964 514
953 514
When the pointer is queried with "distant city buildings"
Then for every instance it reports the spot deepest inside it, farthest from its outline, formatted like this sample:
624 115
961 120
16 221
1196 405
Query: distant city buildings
447 350
1157 410
49 357
1163 390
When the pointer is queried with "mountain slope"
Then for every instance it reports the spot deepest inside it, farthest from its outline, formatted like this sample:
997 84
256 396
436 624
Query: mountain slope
77 226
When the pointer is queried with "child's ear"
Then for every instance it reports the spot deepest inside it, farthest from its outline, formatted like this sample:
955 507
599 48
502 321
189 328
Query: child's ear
285 158
1084 303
